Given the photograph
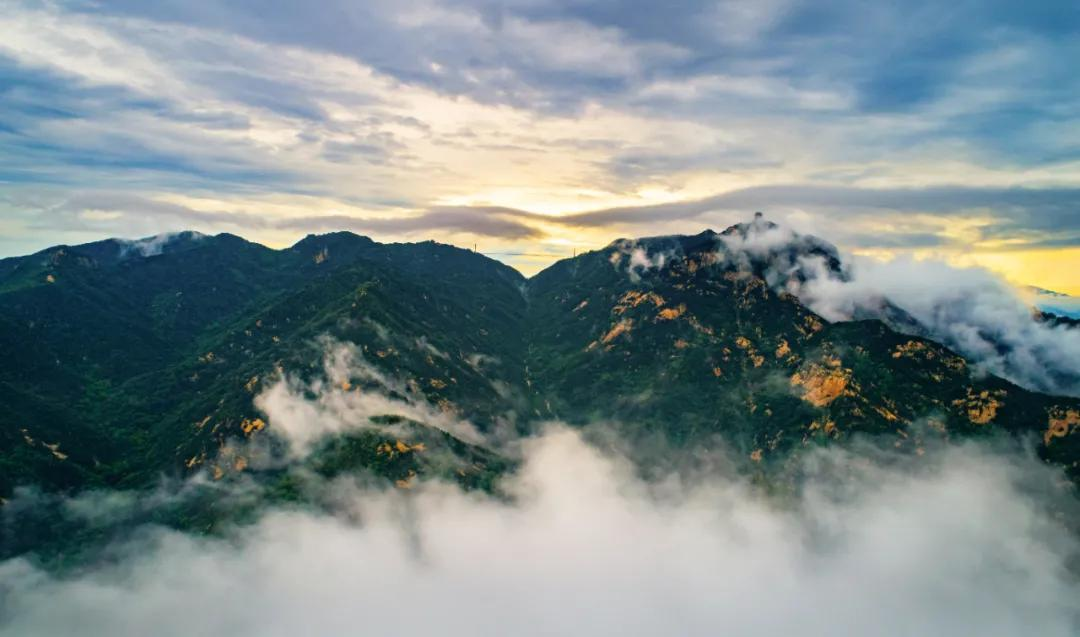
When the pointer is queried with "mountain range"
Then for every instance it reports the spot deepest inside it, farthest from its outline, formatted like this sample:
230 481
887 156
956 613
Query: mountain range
215 360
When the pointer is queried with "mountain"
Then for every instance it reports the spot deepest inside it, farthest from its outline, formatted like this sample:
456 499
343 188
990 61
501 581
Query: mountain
120 366
698 344
1056 305
123 363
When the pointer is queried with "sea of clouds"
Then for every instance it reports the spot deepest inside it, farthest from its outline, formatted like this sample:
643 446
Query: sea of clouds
965 540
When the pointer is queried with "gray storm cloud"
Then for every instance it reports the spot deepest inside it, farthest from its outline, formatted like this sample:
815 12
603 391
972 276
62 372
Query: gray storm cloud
951 546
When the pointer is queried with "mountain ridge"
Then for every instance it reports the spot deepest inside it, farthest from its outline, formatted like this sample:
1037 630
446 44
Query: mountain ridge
119 371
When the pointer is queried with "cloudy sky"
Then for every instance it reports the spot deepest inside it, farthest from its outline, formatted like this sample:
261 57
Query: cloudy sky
533 128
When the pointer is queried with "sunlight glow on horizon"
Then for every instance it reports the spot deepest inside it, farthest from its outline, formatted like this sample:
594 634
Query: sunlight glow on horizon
442 123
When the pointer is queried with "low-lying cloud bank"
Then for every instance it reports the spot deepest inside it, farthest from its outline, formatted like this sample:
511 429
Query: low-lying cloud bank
952 543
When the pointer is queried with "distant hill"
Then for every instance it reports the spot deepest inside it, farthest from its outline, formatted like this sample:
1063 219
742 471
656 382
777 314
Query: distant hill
1056 303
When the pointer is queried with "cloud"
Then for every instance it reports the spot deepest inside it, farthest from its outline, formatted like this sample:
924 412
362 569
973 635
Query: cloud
637 259
1039 210
485 222
120 212
902 217
951 543
518 48
608 116
966 537
349 394
151 246
970 310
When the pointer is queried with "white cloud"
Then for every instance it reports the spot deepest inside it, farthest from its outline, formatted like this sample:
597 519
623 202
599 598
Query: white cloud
575 46
543 106
972 310
636 258
345 398
948 546
151 246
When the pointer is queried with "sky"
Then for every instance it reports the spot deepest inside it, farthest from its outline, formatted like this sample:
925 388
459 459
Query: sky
532 129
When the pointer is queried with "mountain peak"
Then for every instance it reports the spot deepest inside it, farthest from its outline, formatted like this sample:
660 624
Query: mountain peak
759 246
337 238
758 224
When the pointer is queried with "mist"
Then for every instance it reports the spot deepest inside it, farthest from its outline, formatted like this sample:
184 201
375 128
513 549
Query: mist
970 310
955 542
345 398
974 311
